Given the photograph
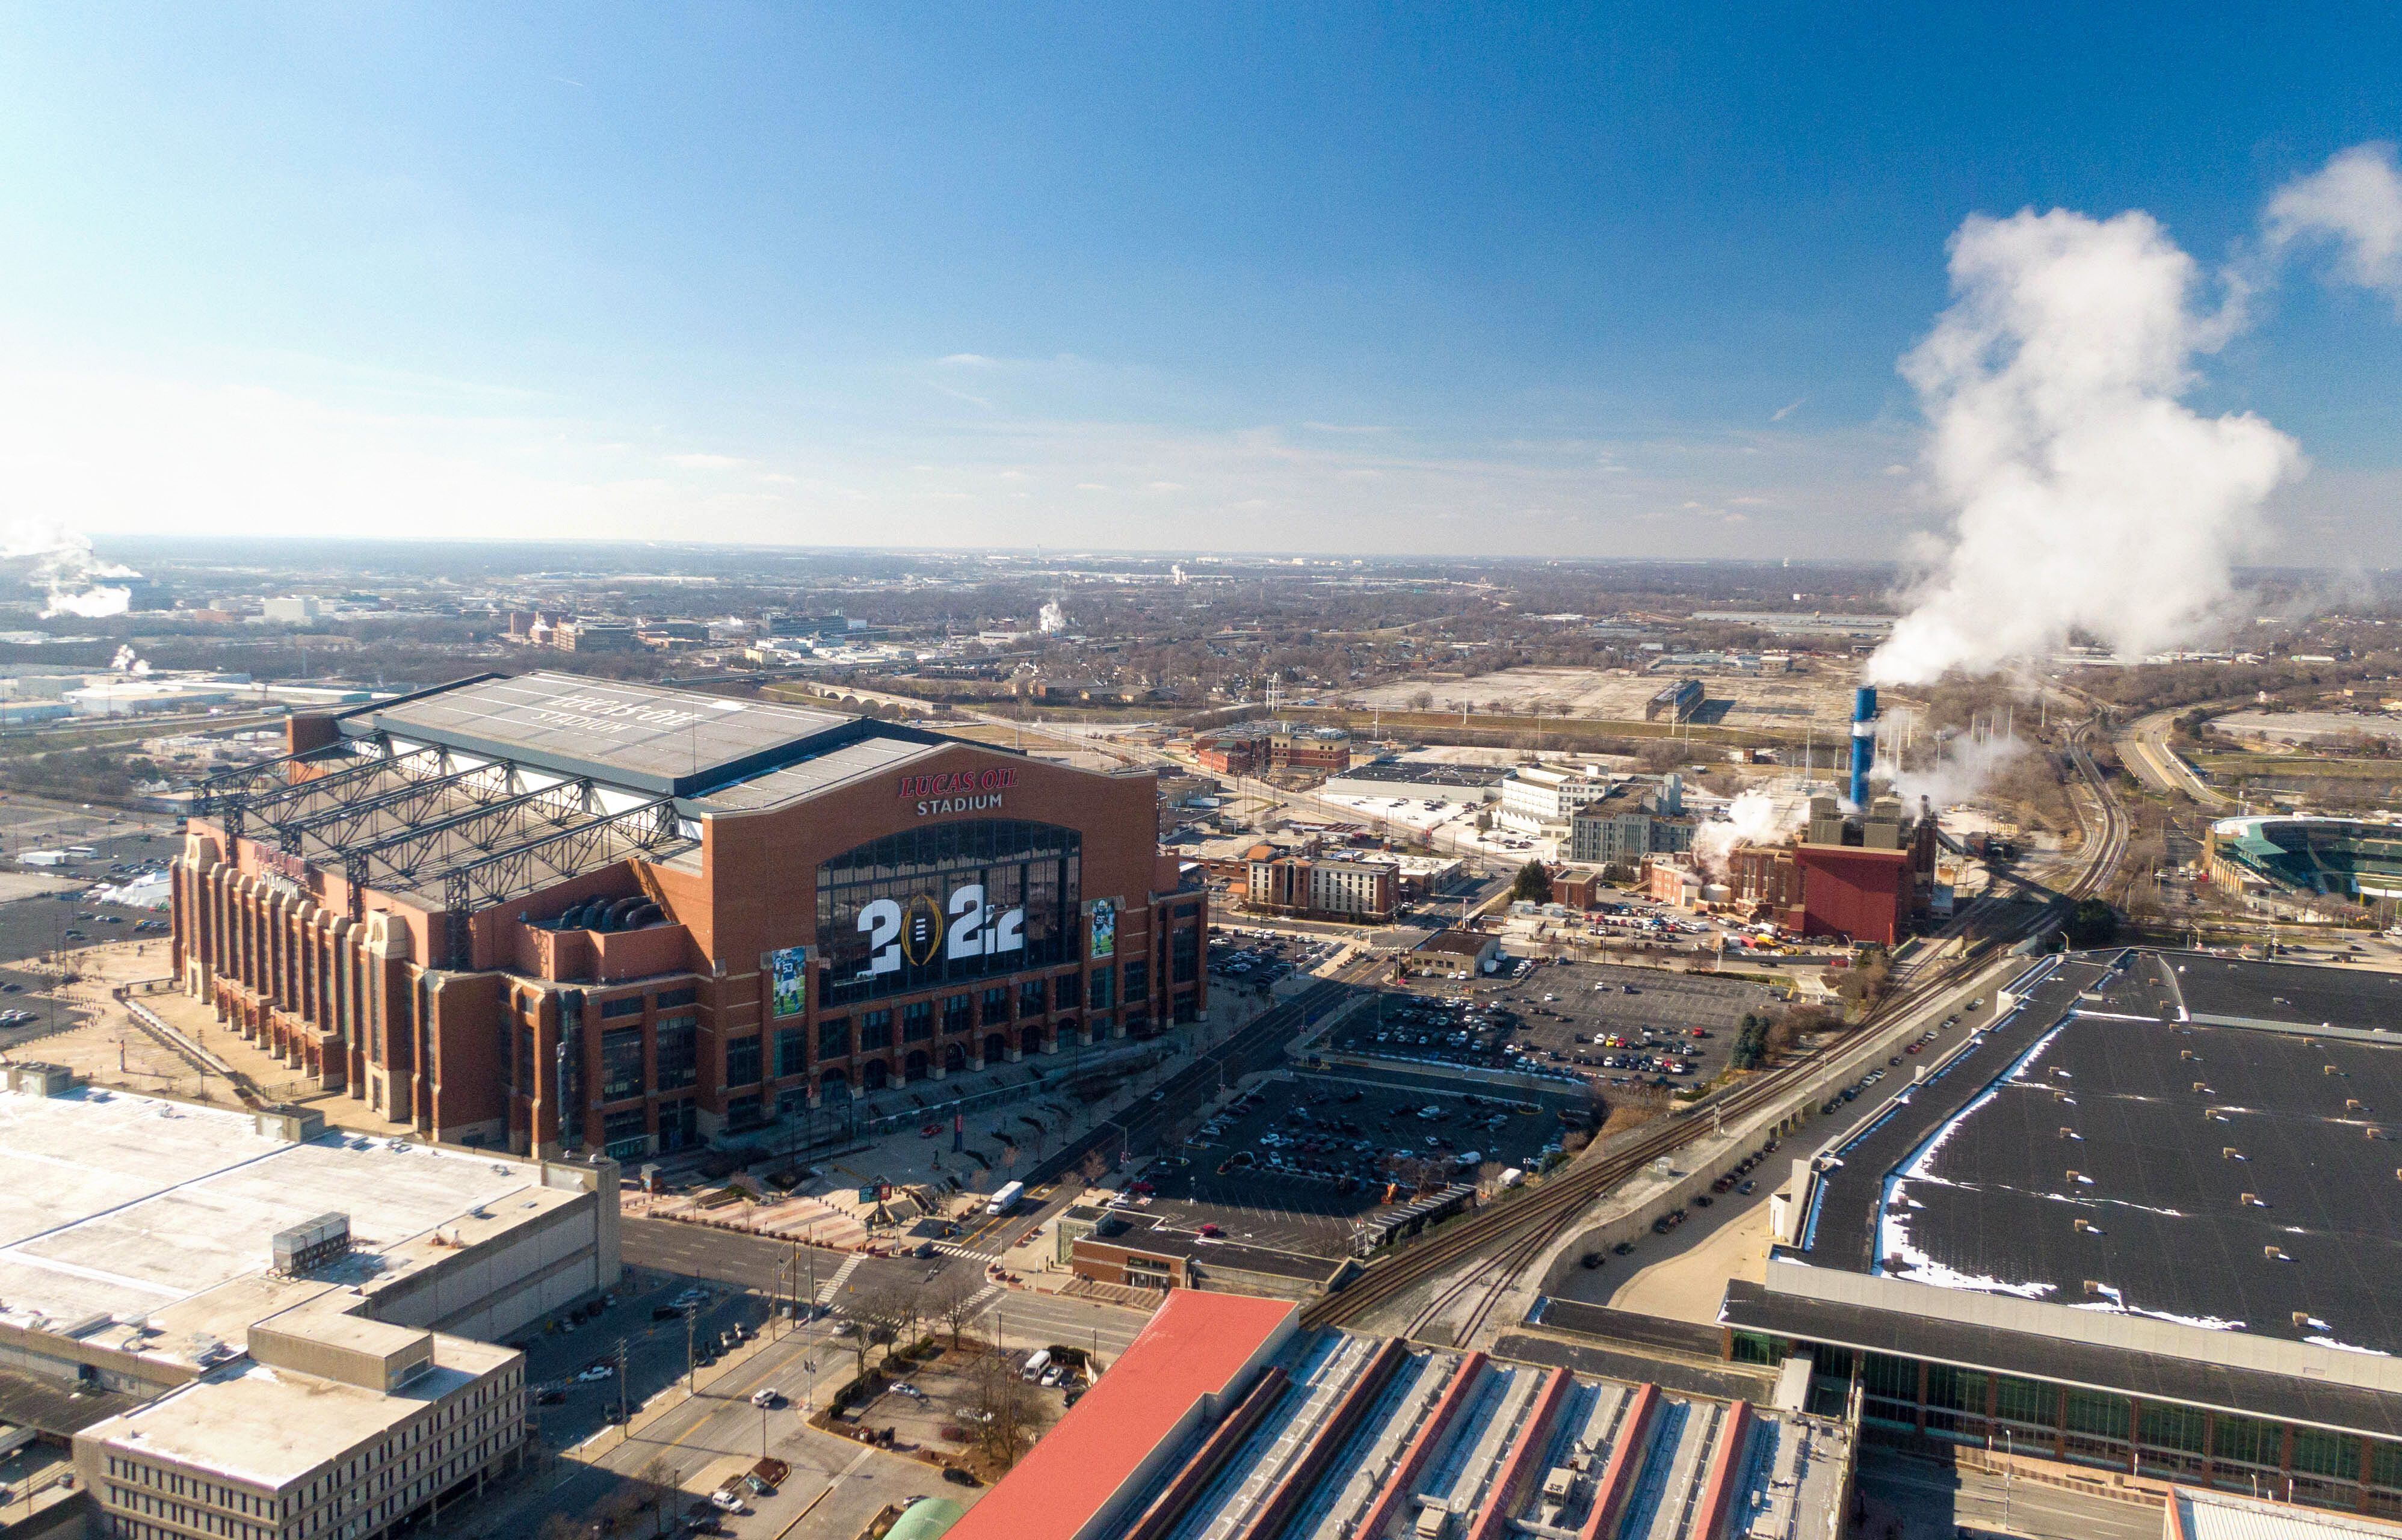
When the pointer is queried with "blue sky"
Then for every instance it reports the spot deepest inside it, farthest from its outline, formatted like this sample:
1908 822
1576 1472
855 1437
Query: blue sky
1583 281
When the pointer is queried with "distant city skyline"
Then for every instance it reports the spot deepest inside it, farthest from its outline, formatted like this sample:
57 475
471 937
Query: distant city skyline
1565 282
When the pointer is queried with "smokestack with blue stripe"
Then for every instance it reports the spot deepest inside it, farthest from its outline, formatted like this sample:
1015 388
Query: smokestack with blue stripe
1864 711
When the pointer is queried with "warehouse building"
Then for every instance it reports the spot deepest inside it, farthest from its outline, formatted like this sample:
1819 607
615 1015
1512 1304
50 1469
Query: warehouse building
2146 1222
553 914
1676 703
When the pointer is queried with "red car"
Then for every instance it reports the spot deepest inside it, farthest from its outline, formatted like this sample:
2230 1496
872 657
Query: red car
932 1131
1213 1232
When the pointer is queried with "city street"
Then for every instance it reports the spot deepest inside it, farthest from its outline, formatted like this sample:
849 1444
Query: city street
698 1442
1026 1319
1936 1502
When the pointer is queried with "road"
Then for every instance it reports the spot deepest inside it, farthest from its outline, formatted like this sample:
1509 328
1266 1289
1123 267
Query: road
2144 749
754 1262
1934 1502
701 1441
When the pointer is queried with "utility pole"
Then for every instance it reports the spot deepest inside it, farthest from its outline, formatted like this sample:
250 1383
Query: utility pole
691 1361
624 1418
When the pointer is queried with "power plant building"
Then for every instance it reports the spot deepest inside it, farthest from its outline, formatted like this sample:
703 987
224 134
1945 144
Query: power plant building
550 914
1864 878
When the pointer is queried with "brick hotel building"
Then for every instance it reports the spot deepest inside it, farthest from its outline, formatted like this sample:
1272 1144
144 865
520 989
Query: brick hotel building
555 914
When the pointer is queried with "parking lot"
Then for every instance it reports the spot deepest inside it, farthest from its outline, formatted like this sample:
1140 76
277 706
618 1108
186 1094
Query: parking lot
1604 1023
1254 959
1293 1164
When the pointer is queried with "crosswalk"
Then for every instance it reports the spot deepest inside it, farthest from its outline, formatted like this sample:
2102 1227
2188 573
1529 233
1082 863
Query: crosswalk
833 1286
952 1249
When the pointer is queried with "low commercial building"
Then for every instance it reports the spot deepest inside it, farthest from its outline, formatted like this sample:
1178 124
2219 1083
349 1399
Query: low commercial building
1142 1251
2145 1223
1437 780
270 1327
1453 952
1257 747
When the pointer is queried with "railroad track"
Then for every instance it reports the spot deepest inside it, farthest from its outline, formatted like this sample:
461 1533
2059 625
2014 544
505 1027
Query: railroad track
1520 1230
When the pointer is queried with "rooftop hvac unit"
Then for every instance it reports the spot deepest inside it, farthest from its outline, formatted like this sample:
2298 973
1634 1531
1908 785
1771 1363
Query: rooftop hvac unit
306 1247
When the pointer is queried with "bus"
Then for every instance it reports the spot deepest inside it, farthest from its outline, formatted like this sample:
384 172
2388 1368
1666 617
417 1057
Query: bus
1005 1200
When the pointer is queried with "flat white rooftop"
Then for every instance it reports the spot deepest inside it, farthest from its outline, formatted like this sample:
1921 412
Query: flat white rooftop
155 1213
271 1427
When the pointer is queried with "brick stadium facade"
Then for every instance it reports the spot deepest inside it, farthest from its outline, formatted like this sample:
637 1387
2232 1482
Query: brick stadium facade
553 913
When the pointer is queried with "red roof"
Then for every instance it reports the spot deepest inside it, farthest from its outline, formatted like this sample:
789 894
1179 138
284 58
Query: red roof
1200 1344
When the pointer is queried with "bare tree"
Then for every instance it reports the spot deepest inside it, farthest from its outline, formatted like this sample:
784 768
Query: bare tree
1010 1413
952 1301
890 1311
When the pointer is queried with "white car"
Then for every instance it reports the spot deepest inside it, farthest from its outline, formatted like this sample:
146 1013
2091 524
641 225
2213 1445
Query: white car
769 1397
725 1501
597 1372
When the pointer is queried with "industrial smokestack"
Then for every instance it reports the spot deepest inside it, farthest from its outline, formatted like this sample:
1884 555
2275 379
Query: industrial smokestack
1864 711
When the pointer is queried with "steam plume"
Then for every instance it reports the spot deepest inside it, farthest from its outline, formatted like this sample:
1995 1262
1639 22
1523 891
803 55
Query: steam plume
1965 764
67 571
1753 818
2089 497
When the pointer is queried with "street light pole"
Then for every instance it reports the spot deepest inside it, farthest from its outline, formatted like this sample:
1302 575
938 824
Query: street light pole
2010 1461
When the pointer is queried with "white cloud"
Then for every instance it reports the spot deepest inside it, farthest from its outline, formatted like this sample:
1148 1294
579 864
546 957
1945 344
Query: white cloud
1787 411
704 462
2355 202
